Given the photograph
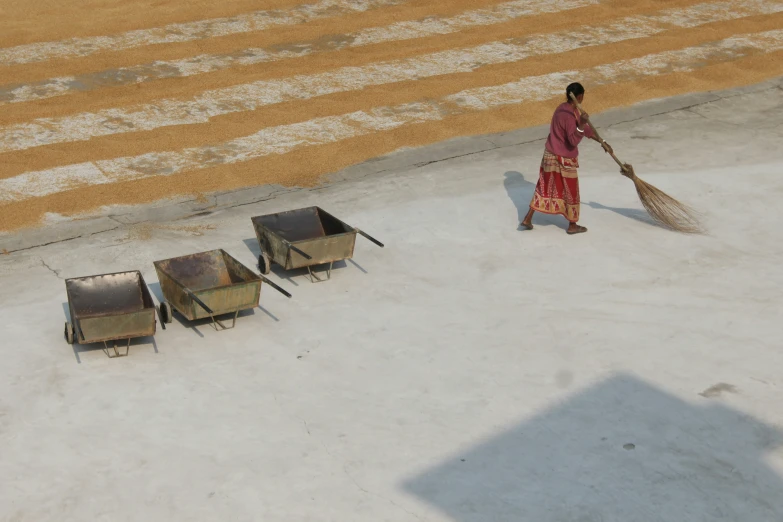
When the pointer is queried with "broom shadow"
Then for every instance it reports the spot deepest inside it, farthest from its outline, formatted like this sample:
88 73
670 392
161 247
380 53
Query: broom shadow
632 213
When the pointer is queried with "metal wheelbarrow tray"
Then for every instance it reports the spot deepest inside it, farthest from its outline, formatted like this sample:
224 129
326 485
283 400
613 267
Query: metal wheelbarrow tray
206 285
109 307
304 238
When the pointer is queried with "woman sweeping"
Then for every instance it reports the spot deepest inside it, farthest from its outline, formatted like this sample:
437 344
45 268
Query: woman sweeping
557 190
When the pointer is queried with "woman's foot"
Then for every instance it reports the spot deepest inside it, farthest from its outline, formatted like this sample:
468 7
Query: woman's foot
527 223
573 228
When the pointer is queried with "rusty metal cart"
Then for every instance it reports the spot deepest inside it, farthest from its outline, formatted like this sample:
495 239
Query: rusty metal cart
109 308
208 284
304 238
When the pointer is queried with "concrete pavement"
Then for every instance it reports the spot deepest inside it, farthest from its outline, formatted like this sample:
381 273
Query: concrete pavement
467 372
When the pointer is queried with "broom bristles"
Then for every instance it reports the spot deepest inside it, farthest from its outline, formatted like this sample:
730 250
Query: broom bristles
665 210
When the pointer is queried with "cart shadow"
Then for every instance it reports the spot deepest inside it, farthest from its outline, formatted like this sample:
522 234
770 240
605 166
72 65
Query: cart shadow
270 314
188 325
158 293
621 449
252 245
520 192
92 347
206 323
357 265
632 213
318 270
79 349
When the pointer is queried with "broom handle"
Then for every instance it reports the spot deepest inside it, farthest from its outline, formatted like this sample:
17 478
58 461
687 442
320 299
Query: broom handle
595 131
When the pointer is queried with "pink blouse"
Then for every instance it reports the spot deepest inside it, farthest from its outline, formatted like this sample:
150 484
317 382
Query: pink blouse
564 136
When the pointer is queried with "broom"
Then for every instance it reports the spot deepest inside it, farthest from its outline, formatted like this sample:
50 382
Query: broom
664 209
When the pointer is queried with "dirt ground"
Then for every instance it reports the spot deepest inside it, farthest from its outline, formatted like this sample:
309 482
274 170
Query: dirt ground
108 102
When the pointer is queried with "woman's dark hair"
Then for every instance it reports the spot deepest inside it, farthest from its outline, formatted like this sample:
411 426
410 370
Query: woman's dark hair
575 88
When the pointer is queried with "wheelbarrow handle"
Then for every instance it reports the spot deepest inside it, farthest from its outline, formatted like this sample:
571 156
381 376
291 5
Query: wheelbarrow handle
303 254
273 285
160 316
368 236
199 301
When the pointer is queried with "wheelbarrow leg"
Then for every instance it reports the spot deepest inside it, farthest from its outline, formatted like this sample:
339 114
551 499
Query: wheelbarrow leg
216 322
315 279
116 352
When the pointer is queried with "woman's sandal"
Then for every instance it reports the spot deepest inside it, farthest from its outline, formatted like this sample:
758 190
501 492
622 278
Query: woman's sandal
579 230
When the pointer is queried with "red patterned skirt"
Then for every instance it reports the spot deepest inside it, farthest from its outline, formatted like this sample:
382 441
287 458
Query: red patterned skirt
557 190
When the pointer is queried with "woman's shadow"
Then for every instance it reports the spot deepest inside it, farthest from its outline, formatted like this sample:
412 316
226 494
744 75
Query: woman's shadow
520 191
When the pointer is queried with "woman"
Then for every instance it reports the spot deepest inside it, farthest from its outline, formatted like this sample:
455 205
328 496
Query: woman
557 190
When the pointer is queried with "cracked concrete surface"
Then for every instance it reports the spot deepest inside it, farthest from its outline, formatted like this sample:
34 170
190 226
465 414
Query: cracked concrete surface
467 372
52 270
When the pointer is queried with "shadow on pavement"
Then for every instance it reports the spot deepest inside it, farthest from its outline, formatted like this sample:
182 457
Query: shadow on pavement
619 451
633 213
520 191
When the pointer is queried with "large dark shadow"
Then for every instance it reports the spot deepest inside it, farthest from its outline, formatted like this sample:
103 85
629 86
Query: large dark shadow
520 191
619 451
633 213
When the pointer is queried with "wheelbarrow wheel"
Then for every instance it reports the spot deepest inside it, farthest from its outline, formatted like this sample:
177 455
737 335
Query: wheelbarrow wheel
69 333
165 312
264 263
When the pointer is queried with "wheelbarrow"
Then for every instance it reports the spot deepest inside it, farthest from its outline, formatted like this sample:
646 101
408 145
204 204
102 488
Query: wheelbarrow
207 285
304 238
109 308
